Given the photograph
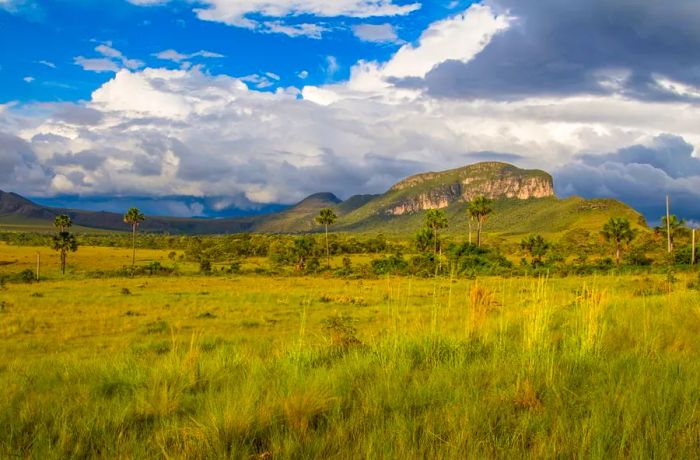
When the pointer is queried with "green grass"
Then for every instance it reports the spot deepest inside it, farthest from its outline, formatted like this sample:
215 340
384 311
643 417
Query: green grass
246 367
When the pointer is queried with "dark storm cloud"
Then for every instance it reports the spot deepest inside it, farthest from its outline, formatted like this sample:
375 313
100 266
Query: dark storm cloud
20 169
568 47
640 176
87 159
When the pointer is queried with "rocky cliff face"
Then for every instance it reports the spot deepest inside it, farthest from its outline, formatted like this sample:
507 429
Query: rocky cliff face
493 180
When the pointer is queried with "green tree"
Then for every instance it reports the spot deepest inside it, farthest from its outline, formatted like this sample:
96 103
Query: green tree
64 242
303 251
424 240
618 231
674 224
479 209
133 217
327 217
62 223
536 246
436 220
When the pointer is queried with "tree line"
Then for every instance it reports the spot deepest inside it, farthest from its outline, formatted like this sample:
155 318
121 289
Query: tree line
302 252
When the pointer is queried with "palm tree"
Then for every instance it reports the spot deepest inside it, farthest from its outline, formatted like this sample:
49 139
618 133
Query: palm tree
133 217
618 230
62 223
673 224
64 242
327 217
479 208
436 220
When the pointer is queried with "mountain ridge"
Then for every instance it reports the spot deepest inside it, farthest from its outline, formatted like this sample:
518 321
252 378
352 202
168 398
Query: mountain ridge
523 200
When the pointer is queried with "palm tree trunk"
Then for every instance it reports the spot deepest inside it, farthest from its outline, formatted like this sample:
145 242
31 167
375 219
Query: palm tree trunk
617 254
469 222
435 236
133 246
328 250
478 233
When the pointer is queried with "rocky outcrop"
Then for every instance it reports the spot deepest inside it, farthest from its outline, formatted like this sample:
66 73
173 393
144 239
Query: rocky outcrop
492 179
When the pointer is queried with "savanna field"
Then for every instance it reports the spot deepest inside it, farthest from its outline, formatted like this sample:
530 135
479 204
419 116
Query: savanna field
262 366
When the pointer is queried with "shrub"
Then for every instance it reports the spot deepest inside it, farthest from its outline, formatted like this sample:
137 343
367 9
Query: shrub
395 264
205 266
235 267
342 331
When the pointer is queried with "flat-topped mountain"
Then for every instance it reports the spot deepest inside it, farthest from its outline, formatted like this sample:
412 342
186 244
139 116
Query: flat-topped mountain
437 190
524 201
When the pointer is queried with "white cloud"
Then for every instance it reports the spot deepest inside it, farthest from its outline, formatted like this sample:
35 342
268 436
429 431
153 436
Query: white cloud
376 33
172 55
47 64
459 38
111 61
96 64
167 132
246 13
472 29
332 66
28 79
303 74
314 31
235 12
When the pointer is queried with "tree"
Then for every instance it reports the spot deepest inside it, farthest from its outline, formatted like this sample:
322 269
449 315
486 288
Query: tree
618 230
673 224
133 217
479 208
303 251
64 242
327 217
62 223
436 220
424 240
536 246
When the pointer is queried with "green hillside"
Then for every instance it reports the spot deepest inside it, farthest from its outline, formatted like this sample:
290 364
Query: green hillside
524 202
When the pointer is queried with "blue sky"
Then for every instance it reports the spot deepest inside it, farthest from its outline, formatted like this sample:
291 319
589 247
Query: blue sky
209 107
48 36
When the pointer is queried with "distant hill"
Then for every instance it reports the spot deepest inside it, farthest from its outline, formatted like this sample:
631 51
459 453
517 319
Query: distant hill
524 202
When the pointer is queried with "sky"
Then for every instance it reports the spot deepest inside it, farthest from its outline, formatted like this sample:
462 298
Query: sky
217 107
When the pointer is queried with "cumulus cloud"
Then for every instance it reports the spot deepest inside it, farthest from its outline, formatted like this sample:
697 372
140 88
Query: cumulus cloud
640 175
187 132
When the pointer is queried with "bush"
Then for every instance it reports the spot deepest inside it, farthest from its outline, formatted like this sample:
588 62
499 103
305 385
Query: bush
205 266
469 258
683 256
395 264
342 331
638 257
235 267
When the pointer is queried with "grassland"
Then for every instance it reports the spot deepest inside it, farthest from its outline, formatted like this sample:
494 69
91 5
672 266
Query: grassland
314 367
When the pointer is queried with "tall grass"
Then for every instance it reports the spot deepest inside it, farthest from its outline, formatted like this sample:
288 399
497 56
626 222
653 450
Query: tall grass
444 368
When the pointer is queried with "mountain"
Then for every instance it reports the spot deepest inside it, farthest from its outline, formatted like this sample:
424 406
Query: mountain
524 202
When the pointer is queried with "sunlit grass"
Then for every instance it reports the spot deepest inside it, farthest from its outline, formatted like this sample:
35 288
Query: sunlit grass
245 366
